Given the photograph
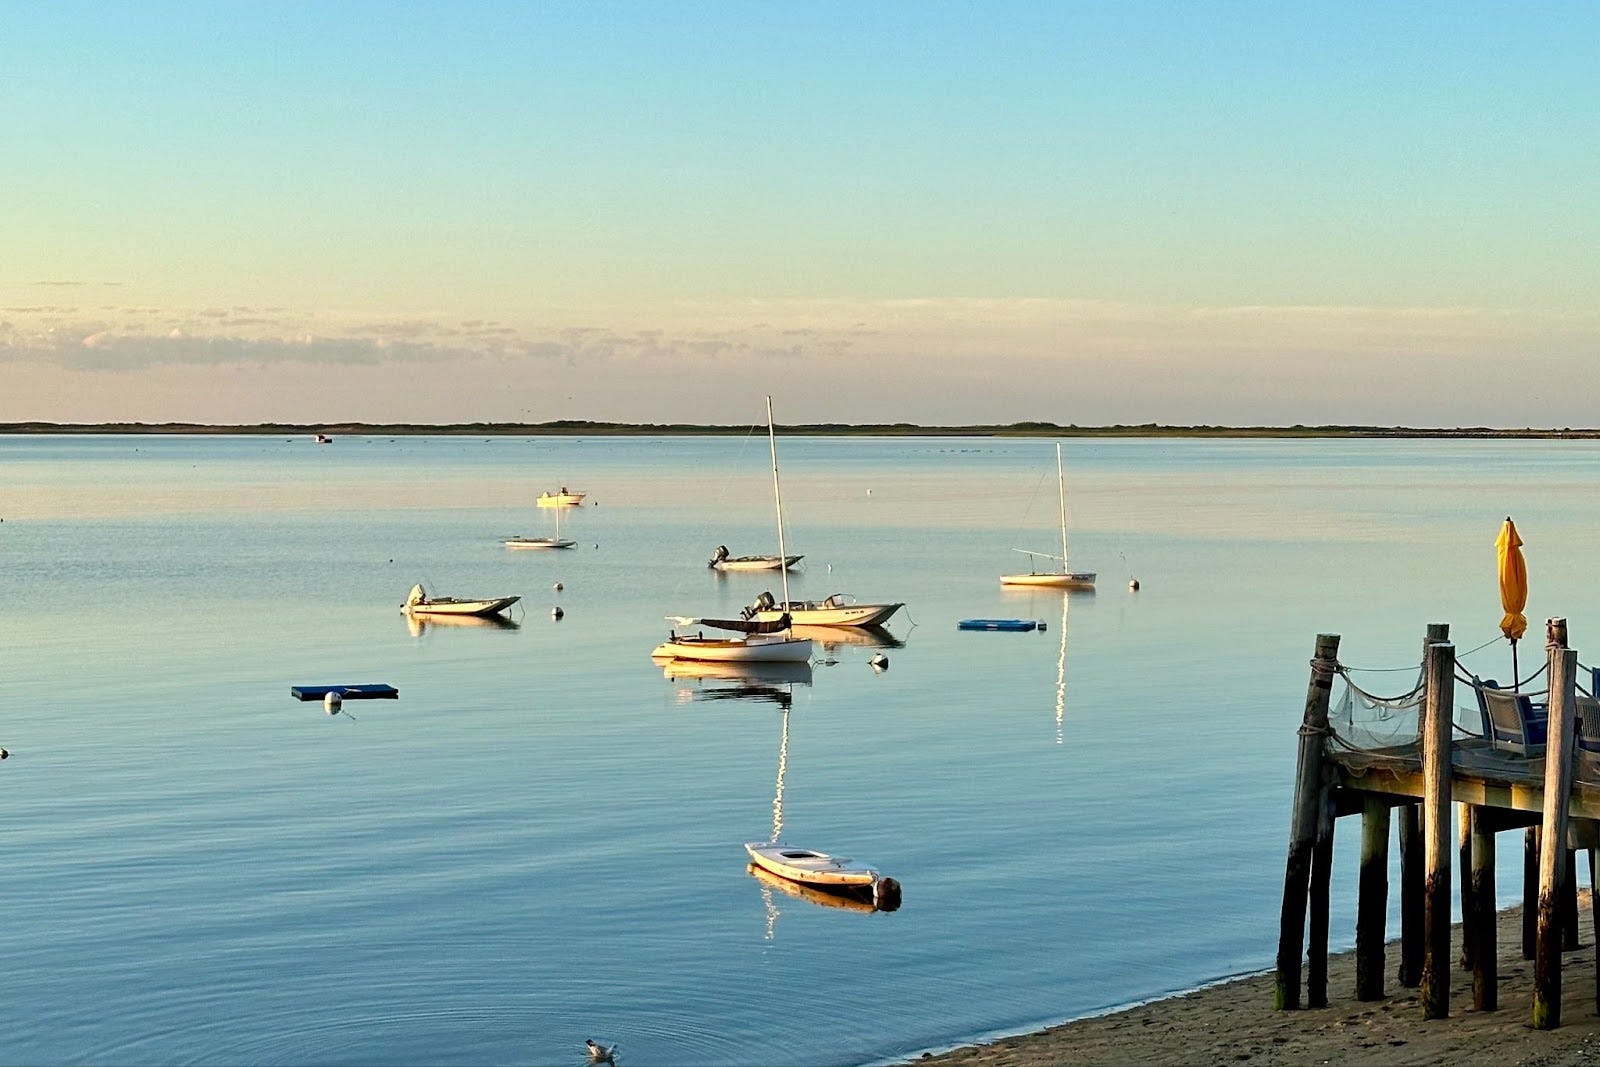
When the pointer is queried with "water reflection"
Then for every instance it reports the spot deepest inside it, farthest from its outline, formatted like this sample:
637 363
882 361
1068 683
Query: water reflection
421 624
832 637
770 881
773 682
1066 597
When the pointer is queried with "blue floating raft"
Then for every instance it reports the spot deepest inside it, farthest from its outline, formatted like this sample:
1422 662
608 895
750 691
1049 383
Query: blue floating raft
1013 625
346 692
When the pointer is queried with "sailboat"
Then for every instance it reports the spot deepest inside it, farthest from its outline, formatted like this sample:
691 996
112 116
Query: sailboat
542 542
765 642
1062 579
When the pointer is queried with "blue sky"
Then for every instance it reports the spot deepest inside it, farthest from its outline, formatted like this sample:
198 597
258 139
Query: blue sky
969 212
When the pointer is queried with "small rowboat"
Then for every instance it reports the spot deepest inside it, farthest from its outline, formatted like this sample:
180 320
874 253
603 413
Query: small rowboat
822 871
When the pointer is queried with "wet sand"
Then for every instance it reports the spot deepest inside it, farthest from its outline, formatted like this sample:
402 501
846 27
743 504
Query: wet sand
1233 1023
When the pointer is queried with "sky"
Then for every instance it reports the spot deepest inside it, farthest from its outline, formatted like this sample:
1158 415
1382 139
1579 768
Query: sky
946 213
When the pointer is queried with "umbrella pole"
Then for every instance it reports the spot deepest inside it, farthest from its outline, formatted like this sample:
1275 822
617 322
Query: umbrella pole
1516 684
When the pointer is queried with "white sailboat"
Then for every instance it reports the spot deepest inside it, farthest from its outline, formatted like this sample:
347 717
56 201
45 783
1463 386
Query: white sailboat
1064 578
764 642
542 542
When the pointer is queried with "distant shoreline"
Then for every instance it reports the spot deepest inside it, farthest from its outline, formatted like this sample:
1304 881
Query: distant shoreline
579 428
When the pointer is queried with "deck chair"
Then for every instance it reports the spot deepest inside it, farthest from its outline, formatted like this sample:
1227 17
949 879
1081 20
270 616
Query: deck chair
1514 722
1588 723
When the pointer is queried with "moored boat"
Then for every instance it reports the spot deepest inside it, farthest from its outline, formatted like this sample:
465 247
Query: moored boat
840 609
722 561
822 871
1063 578
420 603
564 498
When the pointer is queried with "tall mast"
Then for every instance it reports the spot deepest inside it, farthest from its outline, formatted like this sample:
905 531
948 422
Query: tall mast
783 554
1061 486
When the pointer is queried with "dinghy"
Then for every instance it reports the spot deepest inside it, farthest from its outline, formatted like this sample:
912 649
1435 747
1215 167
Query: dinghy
822 871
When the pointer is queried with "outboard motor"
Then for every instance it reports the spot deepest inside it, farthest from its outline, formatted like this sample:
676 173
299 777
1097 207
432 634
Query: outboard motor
718 556
764 602
418 595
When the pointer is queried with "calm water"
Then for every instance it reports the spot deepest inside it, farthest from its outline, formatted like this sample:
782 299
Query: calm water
540 840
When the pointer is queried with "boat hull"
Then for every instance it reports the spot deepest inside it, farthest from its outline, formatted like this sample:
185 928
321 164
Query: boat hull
806 614
810 868
451 606
1069 580
539 542
560 500
735 650
757 563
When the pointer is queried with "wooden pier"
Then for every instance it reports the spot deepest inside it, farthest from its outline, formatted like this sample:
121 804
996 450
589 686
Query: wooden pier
1552 797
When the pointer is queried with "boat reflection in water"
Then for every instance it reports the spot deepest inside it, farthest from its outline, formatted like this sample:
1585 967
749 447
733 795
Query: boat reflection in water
832 637
421 624
1066 596
773 682
770 881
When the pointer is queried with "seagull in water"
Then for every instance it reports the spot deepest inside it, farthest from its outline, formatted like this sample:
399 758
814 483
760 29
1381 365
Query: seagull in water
600 1053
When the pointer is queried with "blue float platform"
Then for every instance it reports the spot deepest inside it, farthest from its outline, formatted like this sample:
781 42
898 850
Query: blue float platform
346 692
1015 625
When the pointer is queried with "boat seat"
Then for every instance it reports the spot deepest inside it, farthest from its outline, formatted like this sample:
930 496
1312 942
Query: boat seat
1514 722
1588 723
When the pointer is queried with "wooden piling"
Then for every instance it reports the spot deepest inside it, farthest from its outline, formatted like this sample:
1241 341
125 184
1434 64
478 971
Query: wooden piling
1372 901
1530 891
1317 927
1309 800
1411 865
1594 919
1569 902
1558 759
1469 909
1485 946
1438 722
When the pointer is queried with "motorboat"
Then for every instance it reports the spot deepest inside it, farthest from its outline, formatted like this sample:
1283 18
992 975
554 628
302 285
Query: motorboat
840 609
562 498
822 871
722 561
420 603
1056 579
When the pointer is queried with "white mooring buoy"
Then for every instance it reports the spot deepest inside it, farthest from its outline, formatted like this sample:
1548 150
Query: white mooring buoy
1133 585
879 662
332 702
559 587
556 613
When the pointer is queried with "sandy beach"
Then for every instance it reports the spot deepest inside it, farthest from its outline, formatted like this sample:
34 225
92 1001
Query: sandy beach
1233 1023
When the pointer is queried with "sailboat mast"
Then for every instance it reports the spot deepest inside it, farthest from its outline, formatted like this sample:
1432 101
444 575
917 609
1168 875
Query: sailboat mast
1061 487
777 497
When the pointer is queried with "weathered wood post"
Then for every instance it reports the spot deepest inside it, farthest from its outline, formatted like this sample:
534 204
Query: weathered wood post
1558 756
1438 722
1530 891
1372 901
1485 943
1594 919
1317 925
1469 909
1305 818
1411 866
1569 899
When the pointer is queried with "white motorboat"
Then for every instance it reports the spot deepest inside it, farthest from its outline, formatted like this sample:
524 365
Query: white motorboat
762 642
420 603
542 542
1063 578
840 609
564 498
722 561
822 871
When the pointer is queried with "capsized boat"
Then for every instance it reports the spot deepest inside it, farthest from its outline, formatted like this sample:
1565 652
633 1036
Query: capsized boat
1064 578
565 498
722 561
822 871
420 603
840 609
